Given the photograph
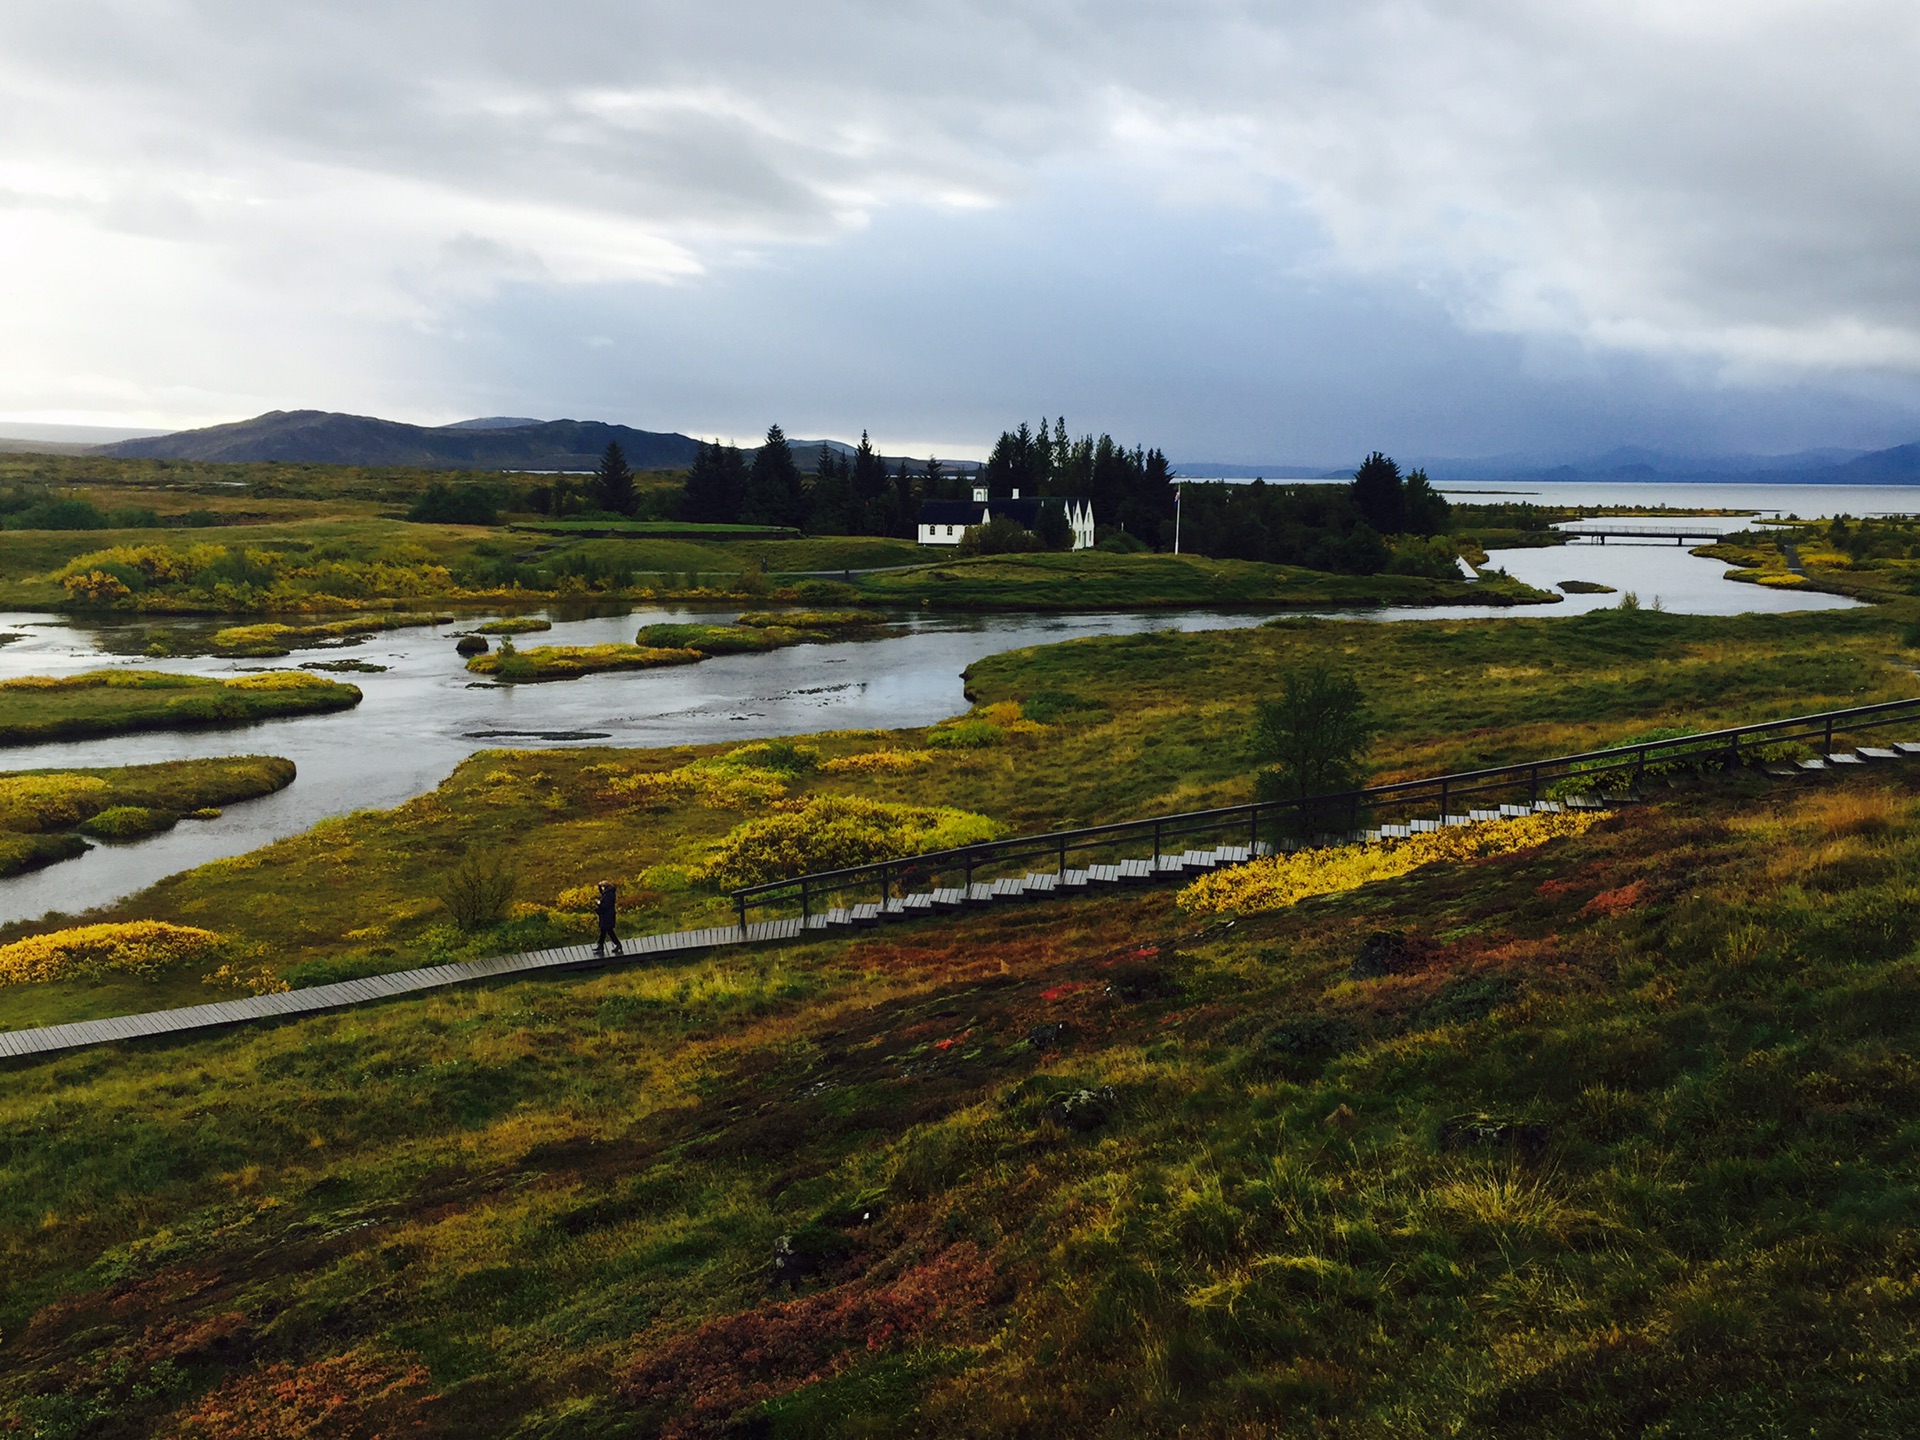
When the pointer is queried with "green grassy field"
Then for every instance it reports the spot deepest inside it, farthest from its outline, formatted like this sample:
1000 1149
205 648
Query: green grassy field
1094 580
116 702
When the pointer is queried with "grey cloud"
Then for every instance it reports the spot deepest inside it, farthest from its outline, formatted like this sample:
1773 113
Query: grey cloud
1732 184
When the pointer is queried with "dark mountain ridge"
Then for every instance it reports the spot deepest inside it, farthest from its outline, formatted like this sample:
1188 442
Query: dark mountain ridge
320 437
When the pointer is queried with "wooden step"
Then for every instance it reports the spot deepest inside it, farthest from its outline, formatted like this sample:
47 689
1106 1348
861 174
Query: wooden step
1103 874
1135 872
980 893
1041 886
1813 765
950 899
868 914
1907 747
1876 752
1007 890
1845 758
1074 879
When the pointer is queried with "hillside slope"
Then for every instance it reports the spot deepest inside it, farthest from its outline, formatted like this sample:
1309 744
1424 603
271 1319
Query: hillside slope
324 438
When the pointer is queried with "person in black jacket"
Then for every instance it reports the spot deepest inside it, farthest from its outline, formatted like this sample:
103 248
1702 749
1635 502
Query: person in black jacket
604 907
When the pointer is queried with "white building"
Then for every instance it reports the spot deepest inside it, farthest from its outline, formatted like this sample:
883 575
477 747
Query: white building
943 522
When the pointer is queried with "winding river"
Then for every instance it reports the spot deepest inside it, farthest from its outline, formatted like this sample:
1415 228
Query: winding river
424 713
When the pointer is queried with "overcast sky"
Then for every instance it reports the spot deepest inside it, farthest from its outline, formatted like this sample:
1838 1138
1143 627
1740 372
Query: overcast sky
1244 232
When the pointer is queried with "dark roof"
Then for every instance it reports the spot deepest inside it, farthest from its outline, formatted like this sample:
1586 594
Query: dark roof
950 512
1025 510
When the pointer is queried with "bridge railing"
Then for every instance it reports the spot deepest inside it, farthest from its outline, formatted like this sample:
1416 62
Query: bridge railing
1324 818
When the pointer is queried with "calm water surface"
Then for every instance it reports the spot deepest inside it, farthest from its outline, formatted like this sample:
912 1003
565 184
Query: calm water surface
425 713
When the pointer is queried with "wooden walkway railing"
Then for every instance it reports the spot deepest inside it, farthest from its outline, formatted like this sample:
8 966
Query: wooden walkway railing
892 888
979 867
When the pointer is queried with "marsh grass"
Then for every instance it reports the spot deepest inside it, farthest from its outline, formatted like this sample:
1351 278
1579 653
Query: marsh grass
560 1199
116 702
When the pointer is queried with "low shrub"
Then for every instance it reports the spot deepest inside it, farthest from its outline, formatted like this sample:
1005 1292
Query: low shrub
878 762
808 619
478 892
965 735
837 830
521 625
782 757
129 822
707 639
566 662
1283 880
21 853
1054 707
136 947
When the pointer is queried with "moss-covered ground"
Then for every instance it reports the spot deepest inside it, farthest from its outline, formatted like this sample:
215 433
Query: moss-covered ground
41 809
1608 1137
1619 1143
1095 580
116 702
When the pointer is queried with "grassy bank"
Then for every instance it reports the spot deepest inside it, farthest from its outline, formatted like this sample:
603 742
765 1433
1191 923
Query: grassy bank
1094 580
681 643
44 812
116 702
1611 1136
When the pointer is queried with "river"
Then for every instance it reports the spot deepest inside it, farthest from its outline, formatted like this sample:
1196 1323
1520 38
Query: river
424 713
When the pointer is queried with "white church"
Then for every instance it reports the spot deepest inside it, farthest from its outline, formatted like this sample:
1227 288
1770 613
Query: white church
943 522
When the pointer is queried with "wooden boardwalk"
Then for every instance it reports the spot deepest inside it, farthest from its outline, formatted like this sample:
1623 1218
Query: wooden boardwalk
1161 866
52 1039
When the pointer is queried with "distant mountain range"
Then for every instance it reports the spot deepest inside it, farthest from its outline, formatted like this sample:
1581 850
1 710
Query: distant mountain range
521 443
1897 466
492 442
320 437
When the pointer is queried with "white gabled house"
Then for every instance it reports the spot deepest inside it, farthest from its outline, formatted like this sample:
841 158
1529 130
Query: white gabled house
943 522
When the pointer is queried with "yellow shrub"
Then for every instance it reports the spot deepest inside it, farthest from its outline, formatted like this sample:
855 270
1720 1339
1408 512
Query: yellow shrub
138 947
1282 880
879 762
278 680
837 830
48 802
713 789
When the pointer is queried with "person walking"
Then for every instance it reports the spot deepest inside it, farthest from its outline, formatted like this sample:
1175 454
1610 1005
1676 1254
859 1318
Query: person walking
605 906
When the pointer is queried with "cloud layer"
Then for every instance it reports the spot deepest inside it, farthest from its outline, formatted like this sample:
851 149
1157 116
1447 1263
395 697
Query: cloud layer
415 208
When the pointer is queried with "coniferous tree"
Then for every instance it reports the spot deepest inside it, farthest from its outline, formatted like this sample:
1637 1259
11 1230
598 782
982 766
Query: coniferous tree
832 507
1377 491
1425 510
775 494
716 487
612 483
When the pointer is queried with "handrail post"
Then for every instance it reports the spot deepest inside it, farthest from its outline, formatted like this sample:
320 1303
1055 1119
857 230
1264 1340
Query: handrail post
1443 801
1533 786
1156 848
966 895
1829 745
1253 830
742 902
806 909
1063 857
886 889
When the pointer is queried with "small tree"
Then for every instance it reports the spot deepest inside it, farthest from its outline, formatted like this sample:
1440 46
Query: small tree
1312 741
613 482
480 890
1052 528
